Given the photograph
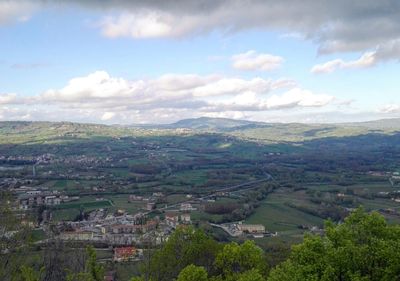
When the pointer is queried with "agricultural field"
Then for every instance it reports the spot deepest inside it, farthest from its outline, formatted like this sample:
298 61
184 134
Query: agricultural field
277 216
313 172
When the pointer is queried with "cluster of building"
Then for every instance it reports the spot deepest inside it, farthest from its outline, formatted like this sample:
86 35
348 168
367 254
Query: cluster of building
394 177
174 218
123 229
239 229
110 229
392 195
29 197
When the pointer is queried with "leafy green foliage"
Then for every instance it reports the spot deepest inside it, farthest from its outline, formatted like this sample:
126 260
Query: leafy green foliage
190 254
235 259
137 279
185 247
14 236
251 275
30 274
364 247
193 273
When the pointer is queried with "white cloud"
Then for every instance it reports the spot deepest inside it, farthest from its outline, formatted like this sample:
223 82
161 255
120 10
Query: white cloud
101 97
146 24
7 98
390 108
294 98
16 11
98 85
228 86
107 116
251 60
299 97
366 60
336 26
227 114
99 89
384 52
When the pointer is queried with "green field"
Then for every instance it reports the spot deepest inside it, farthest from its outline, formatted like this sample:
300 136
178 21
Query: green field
276 216
121 202
69 211
189 177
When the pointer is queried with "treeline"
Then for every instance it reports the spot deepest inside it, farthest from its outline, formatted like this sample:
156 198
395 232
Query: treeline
245 207
363 248
328 211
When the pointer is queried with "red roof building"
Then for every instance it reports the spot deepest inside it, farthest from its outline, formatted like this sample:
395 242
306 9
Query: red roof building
124 253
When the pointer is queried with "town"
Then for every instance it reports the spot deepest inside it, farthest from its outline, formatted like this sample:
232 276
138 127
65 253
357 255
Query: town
125 232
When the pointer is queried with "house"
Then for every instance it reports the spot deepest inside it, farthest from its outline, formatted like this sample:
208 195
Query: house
133 198
186 207
52 200
185 218
124 253
34 192
24 203
251 228
172 219
77 235
150 206
124 228
150 225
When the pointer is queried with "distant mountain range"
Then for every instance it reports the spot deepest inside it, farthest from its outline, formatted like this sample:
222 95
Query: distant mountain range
20 132
208 123
203 123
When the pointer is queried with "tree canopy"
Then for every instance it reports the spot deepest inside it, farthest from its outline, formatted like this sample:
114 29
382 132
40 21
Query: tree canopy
362 248
186 246
193 273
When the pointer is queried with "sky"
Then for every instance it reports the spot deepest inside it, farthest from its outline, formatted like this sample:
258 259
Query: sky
160 61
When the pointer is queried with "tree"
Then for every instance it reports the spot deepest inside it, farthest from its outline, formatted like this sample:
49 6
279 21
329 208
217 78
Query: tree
235 259
14 236
251 275
58 259
193 273
137 278
30 274
186 246
93 271
364 247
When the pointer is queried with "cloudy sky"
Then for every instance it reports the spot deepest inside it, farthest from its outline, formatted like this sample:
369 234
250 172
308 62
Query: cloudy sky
158 61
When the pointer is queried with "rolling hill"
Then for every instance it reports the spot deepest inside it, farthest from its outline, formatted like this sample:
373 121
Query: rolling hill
21 132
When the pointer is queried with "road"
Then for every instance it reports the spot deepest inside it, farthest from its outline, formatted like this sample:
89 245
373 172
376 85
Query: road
215 192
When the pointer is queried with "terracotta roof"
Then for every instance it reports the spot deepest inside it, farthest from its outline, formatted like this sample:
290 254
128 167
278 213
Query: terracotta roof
124 251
